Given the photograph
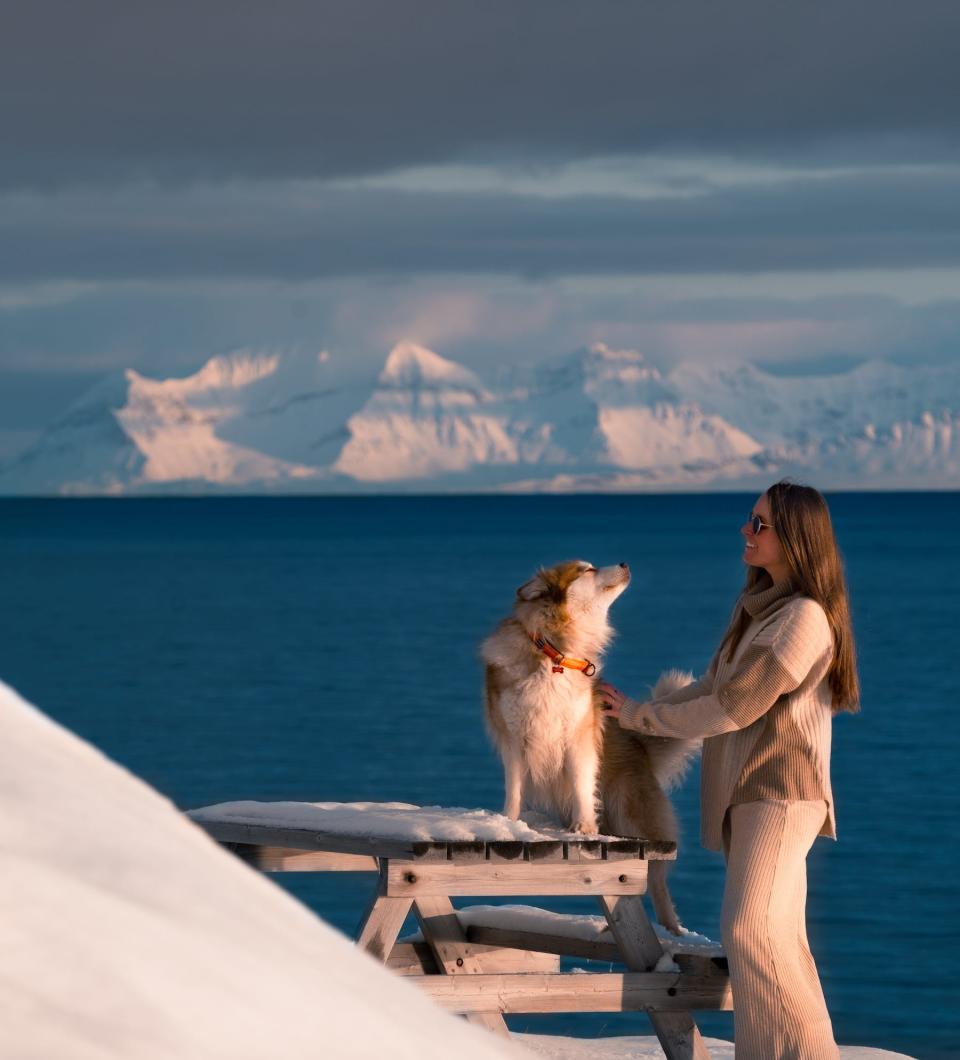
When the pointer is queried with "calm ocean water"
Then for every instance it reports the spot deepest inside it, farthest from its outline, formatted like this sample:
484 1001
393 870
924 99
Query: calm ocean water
326 649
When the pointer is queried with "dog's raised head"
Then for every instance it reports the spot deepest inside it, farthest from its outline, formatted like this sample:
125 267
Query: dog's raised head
571 600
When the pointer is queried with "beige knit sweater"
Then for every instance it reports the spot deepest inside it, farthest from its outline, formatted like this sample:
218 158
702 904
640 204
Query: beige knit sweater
765 715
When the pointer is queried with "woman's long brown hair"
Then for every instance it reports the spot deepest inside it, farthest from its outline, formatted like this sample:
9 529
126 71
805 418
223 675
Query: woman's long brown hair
802 524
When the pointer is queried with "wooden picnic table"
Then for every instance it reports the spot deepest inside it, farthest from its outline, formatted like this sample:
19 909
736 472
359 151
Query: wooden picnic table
476 966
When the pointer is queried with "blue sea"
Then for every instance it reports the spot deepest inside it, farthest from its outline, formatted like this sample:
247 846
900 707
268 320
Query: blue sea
327 649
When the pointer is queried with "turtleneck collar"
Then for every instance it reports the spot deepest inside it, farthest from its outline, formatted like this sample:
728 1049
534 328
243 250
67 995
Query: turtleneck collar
761 600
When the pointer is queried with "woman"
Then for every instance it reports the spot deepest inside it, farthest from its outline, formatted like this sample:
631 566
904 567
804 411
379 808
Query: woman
764 707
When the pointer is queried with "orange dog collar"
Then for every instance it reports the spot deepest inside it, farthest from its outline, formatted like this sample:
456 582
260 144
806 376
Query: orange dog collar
560 660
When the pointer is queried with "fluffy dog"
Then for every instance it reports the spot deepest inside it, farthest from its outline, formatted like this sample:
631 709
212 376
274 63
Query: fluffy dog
559 753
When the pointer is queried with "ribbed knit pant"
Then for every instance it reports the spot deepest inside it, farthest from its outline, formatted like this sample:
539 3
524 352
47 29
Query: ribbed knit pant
779 1008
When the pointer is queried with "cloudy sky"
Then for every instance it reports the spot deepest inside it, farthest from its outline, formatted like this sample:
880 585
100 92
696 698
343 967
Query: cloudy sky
500 180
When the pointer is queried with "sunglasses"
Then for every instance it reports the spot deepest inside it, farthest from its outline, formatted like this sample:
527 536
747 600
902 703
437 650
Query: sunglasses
757 524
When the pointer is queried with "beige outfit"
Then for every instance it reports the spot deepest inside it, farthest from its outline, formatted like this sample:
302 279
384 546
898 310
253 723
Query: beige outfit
779 1009
765 794
765 714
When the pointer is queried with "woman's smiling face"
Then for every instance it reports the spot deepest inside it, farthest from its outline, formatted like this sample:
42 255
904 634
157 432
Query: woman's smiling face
763 549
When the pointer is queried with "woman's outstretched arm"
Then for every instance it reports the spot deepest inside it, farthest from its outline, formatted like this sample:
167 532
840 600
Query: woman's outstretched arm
778 661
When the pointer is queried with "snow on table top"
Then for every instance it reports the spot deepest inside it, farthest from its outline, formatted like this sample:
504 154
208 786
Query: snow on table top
393 820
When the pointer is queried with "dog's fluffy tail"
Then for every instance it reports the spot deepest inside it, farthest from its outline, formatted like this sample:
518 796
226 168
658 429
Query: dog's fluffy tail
670 758
671 681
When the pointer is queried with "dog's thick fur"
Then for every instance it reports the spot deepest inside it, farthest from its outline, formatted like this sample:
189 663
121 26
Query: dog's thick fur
559 753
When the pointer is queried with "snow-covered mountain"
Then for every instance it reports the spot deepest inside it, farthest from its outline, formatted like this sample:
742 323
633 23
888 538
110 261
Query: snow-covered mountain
243 420
426 416
598 419
878 425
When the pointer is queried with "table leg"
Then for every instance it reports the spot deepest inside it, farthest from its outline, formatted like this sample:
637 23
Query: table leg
641 949
448 942
381 925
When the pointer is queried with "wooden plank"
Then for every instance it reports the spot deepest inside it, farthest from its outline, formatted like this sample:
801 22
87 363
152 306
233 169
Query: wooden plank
429 851
454 955
600 949
229 831
506 850
701 964
444 935
493 1021
659 850
412 958
416 958
634 934
543 851
522 878
542 942
526 962
679 1036
382 924
667 992
620 849
273 834
467 850
287 859
588 850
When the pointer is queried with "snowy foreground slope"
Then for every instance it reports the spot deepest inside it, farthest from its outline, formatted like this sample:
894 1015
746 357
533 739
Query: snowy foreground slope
600 419
130 934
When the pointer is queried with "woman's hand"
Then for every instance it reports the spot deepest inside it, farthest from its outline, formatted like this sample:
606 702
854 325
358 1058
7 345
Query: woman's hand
611 699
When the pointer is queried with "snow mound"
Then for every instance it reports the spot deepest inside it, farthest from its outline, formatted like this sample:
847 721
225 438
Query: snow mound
136 936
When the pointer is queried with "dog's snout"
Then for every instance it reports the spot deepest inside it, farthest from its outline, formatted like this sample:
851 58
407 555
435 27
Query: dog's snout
626 566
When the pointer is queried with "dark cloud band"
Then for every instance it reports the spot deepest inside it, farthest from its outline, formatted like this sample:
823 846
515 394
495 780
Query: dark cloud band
106 91
896 220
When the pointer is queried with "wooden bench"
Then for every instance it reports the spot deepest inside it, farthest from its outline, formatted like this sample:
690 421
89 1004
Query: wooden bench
477 966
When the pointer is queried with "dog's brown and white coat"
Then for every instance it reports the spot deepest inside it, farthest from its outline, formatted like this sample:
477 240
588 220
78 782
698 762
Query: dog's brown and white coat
559 755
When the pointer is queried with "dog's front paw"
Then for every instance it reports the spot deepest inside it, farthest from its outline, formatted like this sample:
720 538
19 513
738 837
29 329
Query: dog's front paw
585 828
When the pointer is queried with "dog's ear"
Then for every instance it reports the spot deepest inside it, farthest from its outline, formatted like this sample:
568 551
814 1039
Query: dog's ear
533 589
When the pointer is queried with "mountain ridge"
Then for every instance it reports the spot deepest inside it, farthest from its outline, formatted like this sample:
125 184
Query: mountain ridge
597 419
